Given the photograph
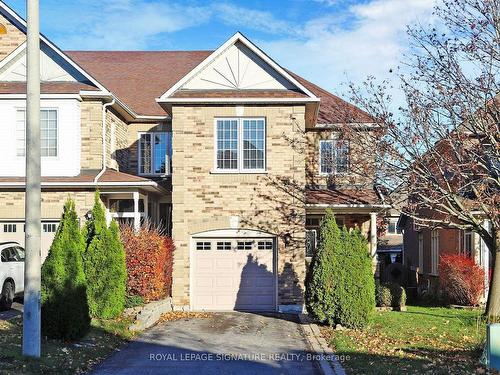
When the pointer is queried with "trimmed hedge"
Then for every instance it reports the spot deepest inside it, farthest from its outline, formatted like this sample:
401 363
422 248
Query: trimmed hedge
149 256
65 312
390 295
104 261
340 287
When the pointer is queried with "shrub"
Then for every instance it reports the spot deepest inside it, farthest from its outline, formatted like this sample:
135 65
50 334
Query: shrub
461 280
390 295
133 301
104 261
149 257
65 312
340 287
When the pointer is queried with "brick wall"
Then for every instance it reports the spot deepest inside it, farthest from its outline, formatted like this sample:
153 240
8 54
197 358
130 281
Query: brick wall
117 153
12 206
359 157
205 201
91 118
10 41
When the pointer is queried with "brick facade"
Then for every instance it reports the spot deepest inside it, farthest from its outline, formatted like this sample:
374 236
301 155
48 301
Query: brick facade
206 201
11 40
91 133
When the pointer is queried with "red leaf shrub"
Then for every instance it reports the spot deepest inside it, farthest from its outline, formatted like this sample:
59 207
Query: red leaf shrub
461 280
149 256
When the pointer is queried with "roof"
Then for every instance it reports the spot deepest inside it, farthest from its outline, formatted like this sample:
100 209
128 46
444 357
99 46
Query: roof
139 77
335 197
85 176
47 87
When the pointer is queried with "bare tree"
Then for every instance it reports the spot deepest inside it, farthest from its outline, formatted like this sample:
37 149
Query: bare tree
441 150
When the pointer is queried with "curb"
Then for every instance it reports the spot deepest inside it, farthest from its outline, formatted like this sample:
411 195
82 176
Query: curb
327 361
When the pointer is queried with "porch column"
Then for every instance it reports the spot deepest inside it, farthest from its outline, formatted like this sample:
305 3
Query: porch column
373 242
137 216
146 209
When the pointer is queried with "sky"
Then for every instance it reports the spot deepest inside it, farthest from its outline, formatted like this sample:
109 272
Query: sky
328 42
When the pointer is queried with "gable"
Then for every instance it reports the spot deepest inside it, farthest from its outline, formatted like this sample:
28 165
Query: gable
10 39
52 67
238 68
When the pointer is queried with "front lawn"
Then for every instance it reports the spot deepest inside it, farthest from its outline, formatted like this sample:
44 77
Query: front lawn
433 340
59 357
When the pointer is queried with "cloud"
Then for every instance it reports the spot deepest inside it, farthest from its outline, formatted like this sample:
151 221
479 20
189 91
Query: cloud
368 39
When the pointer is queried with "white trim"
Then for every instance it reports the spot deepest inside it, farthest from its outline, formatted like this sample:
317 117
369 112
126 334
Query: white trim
11 56
83 184
236 100
325 205
235 38
434 252
233 233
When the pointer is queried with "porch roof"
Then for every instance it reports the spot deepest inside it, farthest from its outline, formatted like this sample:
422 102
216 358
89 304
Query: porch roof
344 198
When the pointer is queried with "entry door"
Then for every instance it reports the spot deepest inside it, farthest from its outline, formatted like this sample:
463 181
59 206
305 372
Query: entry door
233 274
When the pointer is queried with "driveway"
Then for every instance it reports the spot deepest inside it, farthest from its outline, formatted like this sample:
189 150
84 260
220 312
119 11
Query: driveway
16 310
226 343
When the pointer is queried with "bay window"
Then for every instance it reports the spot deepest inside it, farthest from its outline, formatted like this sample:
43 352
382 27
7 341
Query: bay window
334 156
155 151
240 144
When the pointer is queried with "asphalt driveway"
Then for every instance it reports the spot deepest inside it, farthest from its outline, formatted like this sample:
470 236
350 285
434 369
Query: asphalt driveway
227 343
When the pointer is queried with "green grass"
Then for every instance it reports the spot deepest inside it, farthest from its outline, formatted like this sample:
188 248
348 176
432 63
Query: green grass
59 357
433 340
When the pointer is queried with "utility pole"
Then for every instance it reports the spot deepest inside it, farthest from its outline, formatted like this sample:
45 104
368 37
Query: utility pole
31 316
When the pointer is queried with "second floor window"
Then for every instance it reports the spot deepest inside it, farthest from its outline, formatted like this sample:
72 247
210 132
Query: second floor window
155 153
392 227
240 144
334 156
48 132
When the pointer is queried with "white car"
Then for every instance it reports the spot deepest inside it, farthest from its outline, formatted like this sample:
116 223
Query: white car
11 273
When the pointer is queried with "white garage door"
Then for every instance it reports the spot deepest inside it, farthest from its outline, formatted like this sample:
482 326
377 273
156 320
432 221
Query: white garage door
233 274
14 231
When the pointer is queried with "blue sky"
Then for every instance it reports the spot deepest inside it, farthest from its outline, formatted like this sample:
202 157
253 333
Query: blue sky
327 41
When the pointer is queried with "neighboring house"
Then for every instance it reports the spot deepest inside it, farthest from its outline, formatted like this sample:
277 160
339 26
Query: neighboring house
202 142
390 246
423 247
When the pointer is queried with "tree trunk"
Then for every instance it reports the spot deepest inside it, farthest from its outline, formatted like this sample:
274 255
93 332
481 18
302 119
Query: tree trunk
493 304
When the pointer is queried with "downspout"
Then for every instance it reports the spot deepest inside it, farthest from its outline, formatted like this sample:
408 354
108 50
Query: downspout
104 150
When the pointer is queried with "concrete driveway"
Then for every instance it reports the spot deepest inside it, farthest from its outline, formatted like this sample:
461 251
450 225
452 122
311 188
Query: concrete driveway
227 343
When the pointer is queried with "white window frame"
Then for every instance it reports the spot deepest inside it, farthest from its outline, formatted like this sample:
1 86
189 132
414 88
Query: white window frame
468 233
239 146
334 163
420 242
167 156
395 222
23 109
434 251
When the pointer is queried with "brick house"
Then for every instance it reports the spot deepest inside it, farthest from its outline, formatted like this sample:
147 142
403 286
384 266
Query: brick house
236 156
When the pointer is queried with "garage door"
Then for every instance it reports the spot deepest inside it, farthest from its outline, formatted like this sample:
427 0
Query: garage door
14 231
233 274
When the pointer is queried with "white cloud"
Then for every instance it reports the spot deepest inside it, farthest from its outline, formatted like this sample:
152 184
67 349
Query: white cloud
369 39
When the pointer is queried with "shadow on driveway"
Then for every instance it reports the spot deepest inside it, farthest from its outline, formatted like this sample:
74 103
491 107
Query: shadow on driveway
226 343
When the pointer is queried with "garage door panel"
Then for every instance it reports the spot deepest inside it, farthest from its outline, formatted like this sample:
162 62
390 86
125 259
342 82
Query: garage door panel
233 279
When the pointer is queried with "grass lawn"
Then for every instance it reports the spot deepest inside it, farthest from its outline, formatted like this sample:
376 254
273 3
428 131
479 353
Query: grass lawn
59 357
422 340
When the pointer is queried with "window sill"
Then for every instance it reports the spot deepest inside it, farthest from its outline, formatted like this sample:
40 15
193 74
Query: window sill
237 172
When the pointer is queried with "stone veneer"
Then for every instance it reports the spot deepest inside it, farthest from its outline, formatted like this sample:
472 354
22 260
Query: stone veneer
10 41
203 200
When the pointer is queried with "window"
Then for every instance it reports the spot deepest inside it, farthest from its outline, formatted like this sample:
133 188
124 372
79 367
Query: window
244 245
393 228
311 242
240 144
155 150
224 245
265 245
203 245
334 156
48 132
49 227
12 254
468 243
10 228
434 251
124 205
420 253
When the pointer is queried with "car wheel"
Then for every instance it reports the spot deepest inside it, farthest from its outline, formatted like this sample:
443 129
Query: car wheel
7 296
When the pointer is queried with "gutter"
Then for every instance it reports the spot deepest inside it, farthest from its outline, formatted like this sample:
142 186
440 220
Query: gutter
325 205
104 149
